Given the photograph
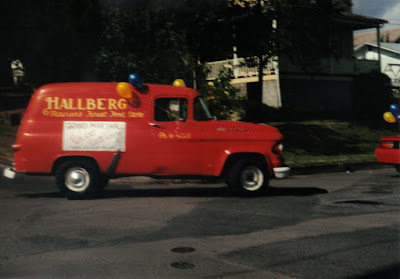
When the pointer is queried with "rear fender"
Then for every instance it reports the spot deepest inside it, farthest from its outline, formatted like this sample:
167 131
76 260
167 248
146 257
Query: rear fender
64 159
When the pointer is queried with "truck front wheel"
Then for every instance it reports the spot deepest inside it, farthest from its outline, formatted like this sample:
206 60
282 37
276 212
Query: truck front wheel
248 177
79 179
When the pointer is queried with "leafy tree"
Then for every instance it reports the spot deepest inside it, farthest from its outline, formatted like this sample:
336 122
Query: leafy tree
368 106
161 47
208 29
305 29
266 29
145 41
162 40
222 98
255 33
112 58
53 39
8 26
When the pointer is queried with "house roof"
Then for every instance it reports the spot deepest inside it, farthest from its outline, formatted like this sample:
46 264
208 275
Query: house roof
358 21
390 36
392 47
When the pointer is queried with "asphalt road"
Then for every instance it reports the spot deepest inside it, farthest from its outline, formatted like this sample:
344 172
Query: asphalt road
336 225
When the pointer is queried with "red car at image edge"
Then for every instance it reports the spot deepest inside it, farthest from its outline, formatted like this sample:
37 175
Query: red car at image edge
388 151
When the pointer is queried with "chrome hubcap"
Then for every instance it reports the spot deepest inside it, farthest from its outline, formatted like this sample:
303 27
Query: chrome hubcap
252 178
77 179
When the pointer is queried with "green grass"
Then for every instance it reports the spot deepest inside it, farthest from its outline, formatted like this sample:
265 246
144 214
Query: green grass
7 136
7 130
330 142
6 153
294 160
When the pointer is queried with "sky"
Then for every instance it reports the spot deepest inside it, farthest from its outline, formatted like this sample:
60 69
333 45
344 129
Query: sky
383 9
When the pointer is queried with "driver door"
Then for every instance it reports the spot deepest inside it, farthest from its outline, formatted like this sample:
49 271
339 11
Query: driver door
175 140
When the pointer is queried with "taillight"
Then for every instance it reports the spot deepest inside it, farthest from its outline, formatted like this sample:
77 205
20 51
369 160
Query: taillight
386 144
277 148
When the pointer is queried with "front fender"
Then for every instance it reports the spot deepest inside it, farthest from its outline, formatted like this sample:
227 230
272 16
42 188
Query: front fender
224 164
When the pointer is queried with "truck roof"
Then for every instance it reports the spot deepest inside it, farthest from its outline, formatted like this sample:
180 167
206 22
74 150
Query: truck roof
90 88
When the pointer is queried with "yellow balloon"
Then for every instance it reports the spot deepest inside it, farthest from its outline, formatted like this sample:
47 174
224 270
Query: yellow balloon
389 117
124 90
179 82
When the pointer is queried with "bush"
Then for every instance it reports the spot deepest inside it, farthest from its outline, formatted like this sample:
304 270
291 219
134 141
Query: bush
222 98
371 98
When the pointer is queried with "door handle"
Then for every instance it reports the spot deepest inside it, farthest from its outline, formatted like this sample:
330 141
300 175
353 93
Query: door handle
155 125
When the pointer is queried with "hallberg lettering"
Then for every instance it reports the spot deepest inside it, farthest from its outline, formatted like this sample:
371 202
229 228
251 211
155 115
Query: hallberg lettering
57 103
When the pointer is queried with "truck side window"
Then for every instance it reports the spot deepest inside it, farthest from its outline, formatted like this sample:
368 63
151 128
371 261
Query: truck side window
201 112
170 109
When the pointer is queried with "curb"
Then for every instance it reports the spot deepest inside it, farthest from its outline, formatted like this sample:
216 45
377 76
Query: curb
348 167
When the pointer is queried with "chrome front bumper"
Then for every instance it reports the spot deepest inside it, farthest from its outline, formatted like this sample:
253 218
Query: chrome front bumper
281 172
9 173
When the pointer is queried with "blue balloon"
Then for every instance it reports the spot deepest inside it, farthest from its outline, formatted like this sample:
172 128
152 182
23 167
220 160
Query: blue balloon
136 81
394 109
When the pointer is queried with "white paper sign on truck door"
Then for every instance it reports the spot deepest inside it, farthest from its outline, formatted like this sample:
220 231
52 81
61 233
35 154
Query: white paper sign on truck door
94 136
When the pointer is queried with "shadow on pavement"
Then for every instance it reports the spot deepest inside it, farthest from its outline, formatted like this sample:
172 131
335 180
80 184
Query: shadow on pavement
187 192
41 195
390 272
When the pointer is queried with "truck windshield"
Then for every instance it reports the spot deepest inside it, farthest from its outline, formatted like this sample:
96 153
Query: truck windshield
201 112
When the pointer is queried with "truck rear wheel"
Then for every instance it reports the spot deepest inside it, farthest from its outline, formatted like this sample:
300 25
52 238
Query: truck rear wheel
248 177
79 179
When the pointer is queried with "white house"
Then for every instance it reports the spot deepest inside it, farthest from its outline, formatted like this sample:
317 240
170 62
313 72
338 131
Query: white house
17 71
389 54
324 86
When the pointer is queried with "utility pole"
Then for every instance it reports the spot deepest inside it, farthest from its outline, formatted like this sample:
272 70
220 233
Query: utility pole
261 62
378 40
